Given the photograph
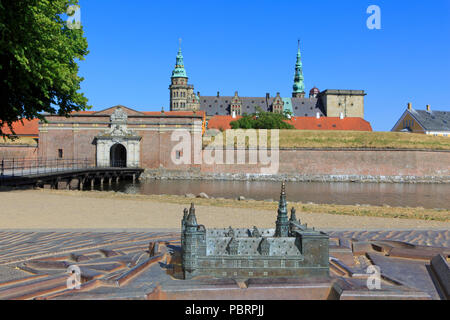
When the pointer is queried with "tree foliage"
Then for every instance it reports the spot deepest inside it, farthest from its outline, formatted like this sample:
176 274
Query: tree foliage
38 60
263 120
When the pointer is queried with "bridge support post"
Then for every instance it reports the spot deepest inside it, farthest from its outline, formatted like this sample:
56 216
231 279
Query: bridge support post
117 179
134 178
101 183
109 181
92 184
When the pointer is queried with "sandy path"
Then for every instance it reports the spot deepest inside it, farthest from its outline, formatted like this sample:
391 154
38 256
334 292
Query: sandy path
39 209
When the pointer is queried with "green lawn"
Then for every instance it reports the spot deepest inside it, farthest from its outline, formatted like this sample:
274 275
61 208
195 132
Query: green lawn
356 139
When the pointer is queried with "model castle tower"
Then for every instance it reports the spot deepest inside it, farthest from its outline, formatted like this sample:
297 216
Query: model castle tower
282 223
289 250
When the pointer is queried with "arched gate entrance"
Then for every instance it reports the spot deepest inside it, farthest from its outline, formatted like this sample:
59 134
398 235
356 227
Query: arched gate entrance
118 156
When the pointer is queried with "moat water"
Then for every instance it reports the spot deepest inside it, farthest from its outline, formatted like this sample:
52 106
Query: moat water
392 194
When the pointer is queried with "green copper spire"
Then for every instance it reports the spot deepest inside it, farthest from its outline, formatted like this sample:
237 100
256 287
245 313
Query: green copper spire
299 85
179 71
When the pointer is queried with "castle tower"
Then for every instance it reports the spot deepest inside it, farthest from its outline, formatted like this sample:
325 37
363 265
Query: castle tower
282 223
190 244
179 87
299 85
183 225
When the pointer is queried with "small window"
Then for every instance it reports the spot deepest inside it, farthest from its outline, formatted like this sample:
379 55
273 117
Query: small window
60 153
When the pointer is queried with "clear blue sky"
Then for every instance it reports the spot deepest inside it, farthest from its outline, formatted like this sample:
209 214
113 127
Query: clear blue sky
250 46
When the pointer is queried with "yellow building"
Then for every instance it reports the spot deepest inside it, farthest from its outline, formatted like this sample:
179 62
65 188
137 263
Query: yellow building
435 123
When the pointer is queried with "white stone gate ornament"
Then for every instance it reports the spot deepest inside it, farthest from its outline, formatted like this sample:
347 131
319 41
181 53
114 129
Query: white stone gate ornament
118 133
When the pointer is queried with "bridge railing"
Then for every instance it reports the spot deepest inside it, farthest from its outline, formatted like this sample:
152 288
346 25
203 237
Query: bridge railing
12 167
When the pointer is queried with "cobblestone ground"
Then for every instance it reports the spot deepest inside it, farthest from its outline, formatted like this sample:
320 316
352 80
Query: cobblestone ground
418 237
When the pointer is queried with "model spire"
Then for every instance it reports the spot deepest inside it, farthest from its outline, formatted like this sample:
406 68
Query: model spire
299 85
192 219
282 223
293 216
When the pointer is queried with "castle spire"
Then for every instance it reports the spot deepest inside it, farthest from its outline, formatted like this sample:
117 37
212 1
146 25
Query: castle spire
282 223
299 85
293 216
179 71
192 219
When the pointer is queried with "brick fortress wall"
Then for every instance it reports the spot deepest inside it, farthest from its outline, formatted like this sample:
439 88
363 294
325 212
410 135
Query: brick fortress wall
368 163
76 135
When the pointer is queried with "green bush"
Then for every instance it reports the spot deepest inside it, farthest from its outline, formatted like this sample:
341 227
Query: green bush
263 120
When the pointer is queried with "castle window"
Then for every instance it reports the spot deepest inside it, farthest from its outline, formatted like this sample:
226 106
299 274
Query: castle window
60 153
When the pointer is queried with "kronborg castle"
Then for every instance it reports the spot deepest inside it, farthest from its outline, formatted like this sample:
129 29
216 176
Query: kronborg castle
121 136
330 104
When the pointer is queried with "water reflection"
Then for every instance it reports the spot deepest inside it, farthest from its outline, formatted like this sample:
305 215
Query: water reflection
411 195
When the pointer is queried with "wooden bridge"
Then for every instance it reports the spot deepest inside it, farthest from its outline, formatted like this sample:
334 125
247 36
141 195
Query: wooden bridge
75 174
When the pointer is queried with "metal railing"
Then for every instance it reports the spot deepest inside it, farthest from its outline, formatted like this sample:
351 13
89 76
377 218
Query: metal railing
25 167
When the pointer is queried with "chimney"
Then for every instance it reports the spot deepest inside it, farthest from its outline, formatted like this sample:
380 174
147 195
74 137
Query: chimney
428 108
218 94
341 116
409 106
318 115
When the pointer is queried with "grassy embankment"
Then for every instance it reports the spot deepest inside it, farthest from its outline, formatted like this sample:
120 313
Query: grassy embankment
354 139
350 210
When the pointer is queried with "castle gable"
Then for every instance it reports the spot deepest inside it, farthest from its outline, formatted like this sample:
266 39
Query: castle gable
110 111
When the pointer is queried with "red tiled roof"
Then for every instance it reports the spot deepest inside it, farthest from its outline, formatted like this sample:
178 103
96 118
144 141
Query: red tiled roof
175 113
27 128
303 123
221 122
